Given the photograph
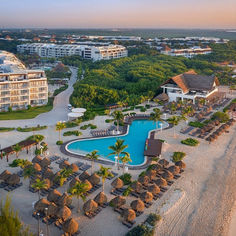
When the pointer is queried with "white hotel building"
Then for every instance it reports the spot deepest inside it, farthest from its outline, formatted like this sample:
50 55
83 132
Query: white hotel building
94 53
20 87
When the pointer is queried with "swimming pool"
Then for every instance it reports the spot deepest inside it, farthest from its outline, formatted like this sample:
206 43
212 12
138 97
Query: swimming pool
135 139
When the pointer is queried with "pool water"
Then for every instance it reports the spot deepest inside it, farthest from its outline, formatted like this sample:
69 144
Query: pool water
135 139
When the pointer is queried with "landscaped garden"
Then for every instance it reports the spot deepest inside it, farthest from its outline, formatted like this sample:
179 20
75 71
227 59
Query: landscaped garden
190 142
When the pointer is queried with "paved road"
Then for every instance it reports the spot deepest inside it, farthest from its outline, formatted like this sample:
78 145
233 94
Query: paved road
58 113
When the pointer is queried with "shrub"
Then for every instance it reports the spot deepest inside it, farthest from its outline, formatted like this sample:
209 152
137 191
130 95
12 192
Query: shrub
61 89
178 156
190 142
59 142
6 129
152 219
126 178
196 124
91 126
37 137
69 133
147 106
15 163
89 115
37 152
221 116
109 120
121 123
142 173
143 109
141 230
71 124
30 129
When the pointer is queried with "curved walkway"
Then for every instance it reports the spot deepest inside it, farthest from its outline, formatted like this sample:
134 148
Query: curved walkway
58 113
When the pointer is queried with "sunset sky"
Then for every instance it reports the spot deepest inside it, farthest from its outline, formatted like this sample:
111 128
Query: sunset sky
118 13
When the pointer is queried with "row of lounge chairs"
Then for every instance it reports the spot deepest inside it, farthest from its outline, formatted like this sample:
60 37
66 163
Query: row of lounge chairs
83 166
91 215
10 188
60 160
54 158
100 133
118 191
93 189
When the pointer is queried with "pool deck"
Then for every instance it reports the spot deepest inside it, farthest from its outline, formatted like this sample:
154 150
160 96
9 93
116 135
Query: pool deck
128 122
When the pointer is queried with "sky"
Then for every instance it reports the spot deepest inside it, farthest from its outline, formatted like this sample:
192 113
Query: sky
209 14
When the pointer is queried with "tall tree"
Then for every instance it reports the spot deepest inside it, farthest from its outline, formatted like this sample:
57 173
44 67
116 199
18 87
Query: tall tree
125 159
174 120
156 116
93 156
59 127
104 173
118 116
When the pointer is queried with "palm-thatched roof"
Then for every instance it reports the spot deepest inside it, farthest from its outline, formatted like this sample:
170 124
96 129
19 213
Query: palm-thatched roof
118 201
52 209
144 180
89 185
90 206
137 205
101 198
63 212
136 186
41 204
48 174
74 167
163 162
73 182
64 164
48 183
70 226
84 175
146 196
94 179
167 175
129 215
156 167
117 183
37 159
161 182
37 167
53 196
180 164
174 169
151 174
5 175
65 199
45 162
154 189
13 179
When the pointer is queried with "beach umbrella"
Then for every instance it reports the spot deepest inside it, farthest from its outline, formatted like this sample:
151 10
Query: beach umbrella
48 183
129 215
117 183
151 174
89 185
37 159
45 162
52 209
161 182
137 205
154 189
5 175
156 167
144 180
84 175
167 175
70 226
90 206
65 199
118 201
13 179
53 195
136 186
146 196
94 179
64 164
37 167
180 164
73 182
163 162
48 174
101 198
63 213
174 169
41 204
74 167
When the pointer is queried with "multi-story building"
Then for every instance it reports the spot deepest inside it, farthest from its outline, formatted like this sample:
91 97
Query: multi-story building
20 87
186 52
87 52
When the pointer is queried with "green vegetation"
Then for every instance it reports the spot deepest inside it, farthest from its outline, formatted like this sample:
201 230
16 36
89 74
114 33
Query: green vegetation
59 90
27 114
10 223
6 129
152 219
227 107
190 142
196 124
59 142
126 178
29 129
109 120
178 156
37 137
74 123
221 116
74 132
91 126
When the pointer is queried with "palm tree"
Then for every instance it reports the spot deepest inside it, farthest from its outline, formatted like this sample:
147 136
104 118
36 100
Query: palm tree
104 173
64 174
156 116
118 149
125 159
118 116
17 148
29 172
107 112
172 107
79 190
59 127
38 185
24 163
93 156
174 120
121 104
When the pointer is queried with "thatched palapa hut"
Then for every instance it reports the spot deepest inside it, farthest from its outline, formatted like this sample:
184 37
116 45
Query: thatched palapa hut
167 175
52 209
74 167
136 186
89 185
65 199
117 183
45 162
101 198
48 174
13 179
94 179
37 159
90 206
137 205
180 164
73 182
163 162
144 180
70 226
154 189
64 164
146 196
118 201
5 175
53 196
63 212
174 169
151 174
161 182
37 167
84 175
41 204
129 215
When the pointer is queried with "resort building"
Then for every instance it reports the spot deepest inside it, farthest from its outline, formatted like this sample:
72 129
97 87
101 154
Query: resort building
190 86
94 53
187 52
20 87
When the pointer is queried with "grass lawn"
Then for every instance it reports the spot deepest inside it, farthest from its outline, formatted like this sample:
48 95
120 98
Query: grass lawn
27 114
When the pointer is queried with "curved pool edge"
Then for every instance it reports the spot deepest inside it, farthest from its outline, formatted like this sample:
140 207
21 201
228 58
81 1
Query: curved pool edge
147 160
